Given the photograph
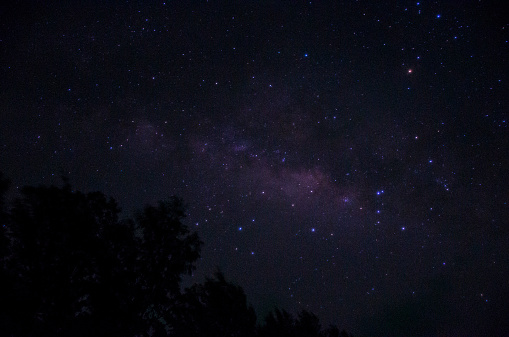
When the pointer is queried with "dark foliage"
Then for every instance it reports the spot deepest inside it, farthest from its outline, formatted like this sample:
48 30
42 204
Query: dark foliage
70 267
73 268
215 308
281 323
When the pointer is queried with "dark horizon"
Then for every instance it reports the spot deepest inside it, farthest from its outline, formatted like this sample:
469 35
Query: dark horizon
346 158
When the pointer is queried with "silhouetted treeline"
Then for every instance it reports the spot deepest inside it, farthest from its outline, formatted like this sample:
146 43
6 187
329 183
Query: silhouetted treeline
71 267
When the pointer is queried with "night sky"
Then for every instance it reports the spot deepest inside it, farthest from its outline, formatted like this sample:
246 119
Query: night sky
349 158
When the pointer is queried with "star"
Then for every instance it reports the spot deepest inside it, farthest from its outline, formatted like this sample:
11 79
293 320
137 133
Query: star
393 122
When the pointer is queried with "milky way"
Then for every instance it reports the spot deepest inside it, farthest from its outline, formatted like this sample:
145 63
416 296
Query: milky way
347 159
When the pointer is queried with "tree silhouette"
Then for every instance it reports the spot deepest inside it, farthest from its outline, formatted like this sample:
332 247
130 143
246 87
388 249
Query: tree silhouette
333 331
215 308
307 325
6 297
75 269
166 252
278 323
281 323
70 267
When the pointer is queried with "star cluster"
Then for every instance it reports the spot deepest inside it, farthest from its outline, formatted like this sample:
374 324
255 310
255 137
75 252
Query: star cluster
344 158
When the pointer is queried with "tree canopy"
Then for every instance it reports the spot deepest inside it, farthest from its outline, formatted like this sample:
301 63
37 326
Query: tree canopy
71 267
